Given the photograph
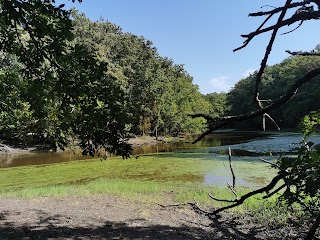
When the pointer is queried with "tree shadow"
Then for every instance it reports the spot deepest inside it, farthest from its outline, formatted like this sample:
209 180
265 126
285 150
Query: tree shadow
56 227
109 230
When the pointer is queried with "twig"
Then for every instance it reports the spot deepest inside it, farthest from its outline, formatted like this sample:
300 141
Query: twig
271 163
295 18
196 206
230 165
268 6
300 24
274 192
221 200
272 120
233 191
173 205
245 43
277 10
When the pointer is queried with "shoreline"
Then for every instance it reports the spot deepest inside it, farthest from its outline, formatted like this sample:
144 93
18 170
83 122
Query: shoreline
7 148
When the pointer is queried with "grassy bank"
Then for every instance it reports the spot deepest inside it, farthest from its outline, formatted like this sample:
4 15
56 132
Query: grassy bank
163 178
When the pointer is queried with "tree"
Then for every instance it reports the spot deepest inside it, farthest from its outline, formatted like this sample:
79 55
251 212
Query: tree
300 175
159 93
218 103
66 82
277 79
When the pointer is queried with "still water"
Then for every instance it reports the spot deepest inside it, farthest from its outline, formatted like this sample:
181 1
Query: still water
242 144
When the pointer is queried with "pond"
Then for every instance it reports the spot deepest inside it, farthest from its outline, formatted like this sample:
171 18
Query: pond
214 140
246 147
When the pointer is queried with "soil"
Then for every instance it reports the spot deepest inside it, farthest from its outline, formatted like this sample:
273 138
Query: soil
111 217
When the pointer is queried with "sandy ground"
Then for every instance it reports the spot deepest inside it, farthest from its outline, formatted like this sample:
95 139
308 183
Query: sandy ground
110 217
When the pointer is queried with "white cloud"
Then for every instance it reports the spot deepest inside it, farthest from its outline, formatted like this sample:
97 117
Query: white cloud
248 72
220 84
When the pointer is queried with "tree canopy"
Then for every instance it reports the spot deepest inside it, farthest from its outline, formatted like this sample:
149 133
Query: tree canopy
276 80
74 79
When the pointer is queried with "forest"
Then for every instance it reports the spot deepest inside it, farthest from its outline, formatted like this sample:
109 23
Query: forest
140 93
68 81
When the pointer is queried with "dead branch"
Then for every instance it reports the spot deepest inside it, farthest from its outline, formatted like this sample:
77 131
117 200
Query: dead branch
268 6
221 200
195 205
246 42
173 205
233 191
295 18
277 10
218 123
230 165
267 188
300 24
274 192
272 120
267 53
271 163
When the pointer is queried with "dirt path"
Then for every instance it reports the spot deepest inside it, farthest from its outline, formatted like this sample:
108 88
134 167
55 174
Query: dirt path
109 217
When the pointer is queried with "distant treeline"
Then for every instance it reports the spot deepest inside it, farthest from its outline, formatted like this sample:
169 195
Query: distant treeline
276 80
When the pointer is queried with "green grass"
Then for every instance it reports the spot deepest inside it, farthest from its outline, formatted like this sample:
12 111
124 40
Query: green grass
177 178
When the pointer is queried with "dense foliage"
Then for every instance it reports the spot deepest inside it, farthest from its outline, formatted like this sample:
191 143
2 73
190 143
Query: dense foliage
99 87
301 174
218 104
160 93
276 80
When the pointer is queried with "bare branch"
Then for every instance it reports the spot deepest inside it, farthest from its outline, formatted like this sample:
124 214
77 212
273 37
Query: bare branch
267 188
268 6
222 200
230 165
277 10
233 191
300 24
224 121
267 53
174 205
275 191
271 163
295 18
196 206
245 43
272 120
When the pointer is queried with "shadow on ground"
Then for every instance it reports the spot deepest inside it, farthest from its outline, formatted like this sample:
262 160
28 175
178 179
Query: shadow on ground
49 227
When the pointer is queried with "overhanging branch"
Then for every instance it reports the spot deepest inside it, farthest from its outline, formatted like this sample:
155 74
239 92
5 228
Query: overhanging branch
224 121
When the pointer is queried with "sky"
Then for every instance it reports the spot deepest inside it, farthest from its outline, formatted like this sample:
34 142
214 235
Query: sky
201 34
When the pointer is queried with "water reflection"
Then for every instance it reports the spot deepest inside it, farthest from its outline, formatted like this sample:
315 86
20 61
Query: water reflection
39 158
212 140
241 143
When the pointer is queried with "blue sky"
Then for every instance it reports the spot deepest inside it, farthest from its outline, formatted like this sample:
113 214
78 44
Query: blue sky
202 34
